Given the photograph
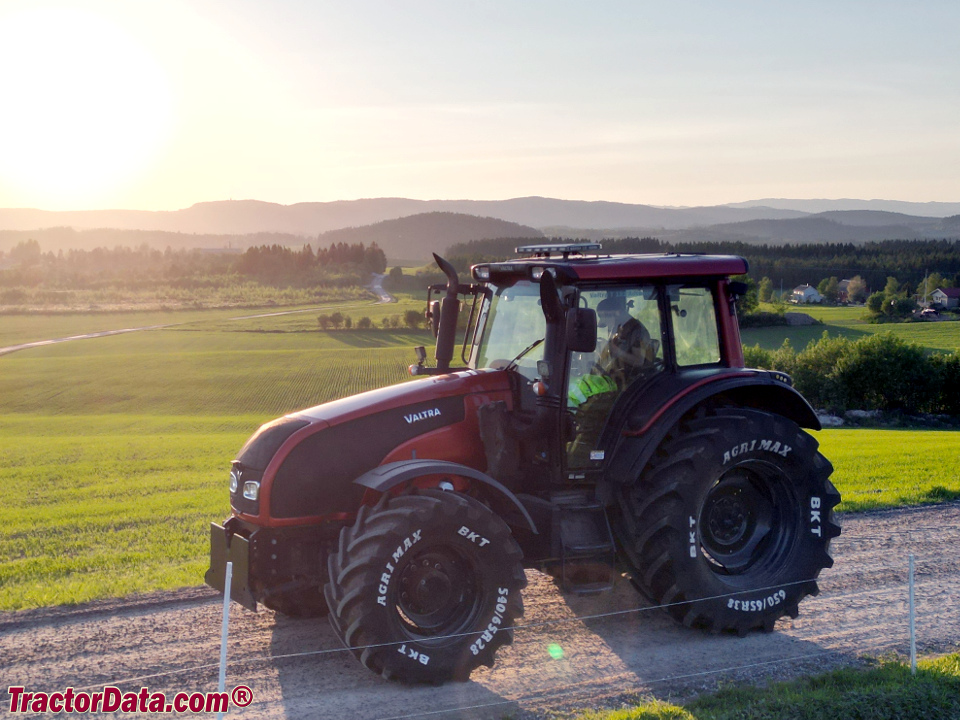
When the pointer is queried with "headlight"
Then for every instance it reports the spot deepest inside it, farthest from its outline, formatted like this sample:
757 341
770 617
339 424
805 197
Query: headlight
234 481
251 490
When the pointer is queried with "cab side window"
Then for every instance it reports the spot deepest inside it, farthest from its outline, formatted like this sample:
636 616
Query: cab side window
694 320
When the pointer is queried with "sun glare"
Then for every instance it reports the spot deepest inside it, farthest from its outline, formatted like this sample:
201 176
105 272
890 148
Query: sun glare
84 107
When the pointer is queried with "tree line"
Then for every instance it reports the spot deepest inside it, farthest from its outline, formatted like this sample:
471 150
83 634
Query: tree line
786 266
279 265
340 264
411 320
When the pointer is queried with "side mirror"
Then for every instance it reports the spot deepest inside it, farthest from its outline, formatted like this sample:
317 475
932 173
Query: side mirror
581 330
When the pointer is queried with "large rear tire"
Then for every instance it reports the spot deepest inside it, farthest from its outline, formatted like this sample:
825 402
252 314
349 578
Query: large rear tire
730 524
425 587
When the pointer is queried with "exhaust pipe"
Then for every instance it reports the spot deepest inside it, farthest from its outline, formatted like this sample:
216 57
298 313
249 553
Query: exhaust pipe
449 310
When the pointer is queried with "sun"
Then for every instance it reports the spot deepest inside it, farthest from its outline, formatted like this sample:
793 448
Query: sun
84 106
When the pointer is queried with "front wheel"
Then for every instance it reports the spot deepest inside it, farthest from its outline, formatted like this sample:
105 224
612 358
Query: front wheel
425 587
731 523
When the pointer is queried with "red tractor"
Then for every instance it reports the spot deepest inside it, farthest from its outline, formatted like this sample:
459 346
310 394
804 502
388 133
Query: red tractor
602 424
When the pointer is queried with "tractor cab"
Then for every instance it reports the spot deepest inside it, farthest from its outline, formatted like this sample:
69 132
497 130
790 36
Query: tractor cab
588 335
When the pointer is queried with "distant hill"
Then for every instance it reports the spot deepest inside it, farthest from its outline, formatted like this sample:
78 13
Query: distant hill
241 223
926 209
855 226
881 218
813 229
250 216
415 236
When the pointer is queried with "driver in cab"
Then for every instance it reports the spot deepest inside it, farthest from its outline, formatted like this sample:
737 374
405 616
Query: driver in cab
627 350
629 347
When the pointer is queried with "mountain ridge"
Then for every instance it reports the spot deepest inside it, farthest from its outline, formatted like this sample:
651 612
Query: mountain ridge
313 218
240 223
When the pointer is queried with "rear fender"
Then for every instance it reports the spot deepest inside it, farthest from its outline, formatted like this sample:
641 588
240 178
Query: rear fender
756 389
386 477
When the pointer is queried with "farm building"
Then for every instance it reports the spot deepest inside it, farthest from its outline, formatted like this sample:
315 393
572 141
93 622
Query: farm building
945 298
803 294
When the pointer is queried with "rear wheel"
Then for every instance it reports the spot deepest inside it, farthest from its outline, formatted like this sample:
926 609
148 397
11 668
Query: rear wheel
425 587
731 523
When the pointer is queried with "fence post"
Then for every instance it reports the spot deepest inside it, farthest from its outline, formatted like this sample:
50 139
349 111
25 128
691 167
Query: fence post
913 623
221 685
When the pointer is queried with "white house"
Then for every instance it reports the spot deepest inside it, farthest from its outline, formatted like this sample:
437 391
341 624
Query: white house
803 294
948 298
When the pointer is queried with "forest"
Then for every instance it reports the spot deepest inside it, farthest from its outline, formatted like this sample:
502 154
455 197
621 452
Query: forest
26 265
127 278
27 273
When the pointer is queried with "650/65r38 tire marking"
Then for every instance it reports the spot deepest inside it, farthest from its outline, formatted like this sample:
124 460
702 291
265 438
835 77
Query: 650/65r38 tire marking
425 586
731 522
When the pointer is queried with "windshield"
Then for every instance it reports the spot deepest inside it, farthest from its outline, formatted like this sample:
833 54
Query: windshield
510 321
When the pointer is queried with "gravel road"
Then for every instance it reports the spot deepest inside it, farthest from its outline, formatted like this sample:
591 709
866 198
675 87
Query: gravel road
615 648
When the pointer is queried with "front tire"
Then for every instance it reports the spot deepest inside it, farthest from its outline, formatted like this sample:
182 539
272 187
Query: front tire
425 587
730 525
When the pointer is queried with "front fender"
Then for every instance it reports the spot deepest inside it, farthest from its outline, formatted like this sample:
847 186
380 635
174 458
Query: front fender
386 477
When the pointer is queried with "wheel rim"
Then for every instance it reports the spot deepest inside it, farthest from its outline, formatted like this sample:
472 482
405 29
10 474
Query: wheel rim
748 520
437 593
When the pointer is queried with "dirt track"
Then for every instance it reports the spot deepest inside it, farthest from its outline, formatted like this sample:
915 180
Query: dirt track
608 660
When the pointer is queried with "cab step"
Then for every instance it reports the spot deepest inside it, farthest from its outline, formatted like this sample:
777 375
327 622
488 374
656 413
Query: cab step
587 550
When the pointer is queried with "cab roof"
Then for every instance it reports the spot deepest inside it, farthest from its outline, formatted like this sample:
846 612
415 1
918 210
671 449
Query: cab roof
613 267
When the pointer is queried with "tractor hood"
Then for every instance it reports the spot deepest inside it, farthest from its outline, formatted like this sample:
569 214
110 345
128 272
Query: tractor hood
405 395
306 462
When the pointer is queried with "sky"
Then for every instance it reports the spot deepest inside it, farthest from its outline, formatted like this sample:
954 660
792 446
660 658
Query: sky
159 105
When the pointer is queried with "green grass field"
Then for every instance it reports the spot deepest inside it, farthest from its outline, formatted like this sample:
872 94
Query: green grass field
171 372
279 321
885 692
888 468
115 451
16 329
106 505
848 321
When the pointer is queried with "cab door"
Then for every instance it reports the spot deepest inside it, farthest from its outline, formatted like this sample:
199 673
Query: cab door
631 339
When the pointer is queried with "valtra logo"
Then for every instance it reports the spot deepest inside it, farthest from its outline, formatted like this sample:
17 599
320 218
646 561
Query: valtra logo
425 414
